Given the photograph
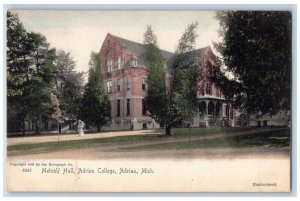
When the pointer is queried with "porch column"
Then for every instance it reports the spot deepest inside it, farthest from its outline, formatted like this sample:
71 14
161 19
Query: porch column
215 105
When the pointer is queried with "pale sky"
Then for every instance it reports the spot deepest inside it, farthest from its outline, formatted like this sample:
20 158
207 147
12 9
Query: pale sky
81 32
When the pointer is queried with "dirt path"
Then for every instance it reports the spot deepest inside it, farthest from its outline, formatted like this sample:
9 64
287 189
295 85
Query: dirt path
66 137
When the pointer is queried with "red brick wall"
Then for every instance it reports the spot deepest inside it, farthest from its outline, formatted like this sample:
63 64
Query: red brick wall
113 50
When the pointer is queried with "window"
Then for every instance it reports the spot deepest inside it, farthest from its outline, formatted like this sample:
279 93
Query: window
128 83
143 107
118 85
226 110
118 108
210 70
208 88
144 84
128 107
119 62
109 65
109 86
202 91
134 62
217 92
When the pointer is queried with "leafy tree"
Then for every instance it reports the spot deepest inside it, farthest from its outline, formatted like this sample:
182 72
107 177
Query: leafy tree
56 114
156 92
257 50
172 100
43 72
68 84
30 72
70 98
18 74
181 99
95 107
66 72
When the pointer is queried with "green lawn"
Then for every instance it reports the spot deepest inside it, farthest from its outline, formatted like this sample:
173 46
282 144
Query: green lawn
44 146
270 139
178 133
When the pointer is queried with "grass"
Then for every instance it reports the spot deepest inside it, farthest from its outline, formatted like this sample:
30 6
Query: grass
178 133
45 146
270 139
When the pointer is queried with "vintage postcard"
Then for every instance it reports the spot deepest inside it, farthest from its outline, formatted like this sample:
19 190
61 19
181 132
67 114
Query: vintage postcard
148 101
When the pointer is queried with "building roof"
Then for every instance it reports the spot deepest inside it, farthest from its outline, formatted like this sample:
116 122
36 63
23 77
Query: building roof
139 50
189 58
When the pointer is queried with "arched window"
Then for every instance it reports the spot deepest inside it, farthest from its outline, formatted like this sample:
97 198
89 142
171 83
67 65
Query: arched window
211 108
226 110
218 109
202 108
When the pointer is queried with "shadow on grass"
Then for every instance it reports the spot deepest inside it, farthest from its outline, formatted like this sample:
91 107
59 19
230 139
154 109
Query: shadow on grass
269 139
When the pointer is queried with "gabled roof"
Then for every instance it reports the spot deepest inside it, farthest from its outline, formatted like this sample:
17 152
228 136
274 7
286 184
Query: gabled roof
190 58
139 49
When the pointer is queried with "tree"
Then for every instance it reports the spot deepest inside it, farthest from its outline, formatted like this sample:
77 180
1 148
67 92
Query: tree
172 100
256 49
156 91
181 98
56 114
95 107
68 84
43 72
18 75
69 99
66 72
30 72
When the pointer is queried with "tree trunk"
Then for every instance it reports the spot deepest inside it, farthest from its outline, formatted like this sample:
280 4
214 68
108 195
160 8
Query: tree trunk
37 126
23 127
168 130
59 127
98 128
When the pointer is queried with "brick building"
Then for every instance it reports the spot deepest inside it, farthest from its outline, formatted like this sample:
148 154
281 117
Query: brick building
124 69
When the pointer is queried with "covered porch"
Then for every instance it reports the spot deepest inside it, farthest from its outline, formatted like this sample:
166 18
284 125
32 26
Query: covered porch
214 112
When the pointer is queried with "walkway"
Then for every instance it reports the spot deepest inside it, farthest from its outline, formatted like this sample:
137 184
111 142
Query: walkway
66 137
